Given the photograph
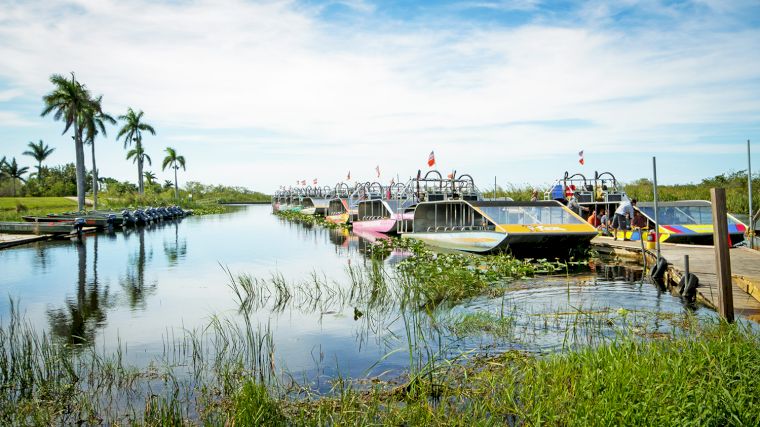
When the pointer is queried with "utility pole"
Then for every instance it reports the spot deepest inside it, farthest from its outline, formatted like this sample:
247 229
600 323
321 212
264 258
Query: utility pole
656 212
751 224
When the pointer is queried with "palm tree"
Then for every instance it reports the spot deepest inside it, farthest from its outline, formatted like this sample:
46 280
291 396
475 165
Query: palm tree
93 122
149 176
132 131
68 100
14 172
40 152
175 161
138 156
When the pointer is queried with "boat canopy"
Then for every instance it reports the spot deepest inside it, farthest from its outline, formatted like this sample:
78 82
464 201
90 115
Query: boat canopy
463 215
682 212
527 213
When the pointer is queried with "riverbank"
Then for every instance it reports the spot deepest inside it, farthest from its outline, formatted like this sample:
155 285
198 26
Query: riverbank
15 208
704 373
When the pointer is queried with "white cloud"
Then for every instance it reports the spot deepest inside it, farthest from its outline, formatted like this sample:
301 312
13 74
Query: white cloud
325 92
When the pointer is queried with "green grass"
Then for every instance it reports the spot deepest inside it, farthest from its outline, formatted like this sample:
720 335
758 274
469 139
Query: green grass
706 377
13 208
10 203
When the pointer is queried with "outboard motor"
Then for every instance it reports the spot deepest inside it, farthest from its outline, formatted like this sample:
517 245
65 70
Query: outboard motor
110 219
127 216
141 217
79 225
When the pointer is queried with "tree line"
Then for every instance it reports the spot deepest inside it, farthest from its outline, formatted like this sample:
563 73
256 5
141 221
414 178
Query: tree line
71 102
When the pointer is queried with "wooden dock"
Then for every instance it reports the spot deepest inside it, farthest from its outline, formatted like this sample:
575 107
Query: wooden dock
745 270
10 240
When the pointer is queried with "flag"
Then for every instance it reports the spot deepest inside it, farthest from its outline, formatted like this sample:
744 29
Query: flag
580 154
348 178
393 181
431 159
377 169
451 175
303 182
315 181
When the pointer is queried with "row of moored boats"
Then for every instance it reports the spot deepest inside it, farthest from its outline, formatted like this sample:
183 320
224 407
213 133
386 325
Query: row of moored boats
451 213
69 222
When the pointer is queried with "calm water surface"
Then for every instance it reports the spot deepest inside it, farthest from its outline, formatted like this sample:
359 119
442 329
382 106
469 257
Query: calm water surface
141 285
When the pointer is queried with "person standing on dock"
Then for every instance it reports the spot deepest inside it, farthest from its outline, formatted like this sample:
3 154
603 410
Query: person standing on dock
622 214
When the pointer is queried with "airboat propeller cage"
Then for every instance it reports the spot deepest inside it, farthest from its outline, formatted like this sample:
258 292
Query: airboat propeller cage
602 190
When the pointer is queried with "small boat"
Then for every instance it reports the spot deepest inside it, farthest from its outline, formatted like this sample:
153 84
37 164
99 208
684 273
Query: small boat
541 228
343 202
50 227
316 201
90 220
391 209
685 221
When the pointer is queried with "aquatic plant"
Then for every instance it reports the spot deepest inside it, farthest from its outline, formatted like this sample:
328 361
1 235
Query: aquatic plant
310 220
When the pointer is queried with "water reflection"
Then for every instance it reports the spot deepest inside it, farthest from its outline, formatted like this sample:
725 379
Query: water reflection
84 314
176 249
133 282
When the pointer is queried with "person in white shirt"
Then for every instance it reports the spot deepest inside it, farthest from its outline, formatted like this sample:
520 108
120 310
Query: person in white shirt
622 214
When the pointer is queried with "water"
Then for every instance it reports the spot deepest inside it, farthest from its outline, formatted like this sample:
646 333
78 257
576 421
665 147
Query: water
141 287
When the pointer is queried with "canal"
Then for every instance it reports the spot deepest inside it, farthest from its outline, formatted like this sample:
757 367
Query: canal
140 289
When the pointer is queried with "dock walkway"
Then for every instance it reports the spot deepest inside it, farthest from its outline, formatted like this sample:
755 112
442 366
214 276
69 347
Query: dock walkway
8 240
745 270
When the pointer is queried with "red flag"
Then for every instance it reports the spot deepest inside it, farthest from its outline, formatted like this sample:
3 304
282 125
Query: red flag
377 169
431 159
348 178
580 154
451 175
303 182
315 181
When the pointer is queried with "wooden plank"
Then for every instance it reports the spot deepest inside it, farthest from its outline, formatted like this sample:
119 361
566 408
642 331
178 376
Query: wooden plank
9 240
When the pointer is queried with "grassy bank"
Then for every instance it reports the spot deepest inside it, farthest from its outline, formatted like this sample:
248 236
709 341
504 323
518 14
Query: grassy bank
224 374
13 208
705 377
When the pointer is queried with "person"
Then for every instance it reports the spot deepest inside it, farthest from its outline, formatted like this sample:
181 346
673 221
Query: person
604 222
574 206
534 196
593 220
623 213
639 220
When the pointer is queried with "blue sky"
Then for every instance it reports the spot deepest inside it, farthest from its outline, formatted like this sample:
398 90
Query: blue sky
263 93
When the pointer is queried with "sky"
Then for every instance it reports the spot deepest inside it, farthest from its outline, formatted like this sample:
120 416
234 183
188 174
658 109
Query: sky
265 93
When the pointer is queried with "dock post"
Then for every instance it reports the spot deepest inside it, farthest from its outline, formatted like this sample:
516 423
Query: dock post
686 266
656 215
751 231
722 255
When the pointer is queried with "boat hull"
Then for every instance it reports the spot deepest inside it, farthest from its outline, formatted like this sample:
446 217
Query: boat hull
469 241
309 211
59 227
385 225
546 245
338 218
